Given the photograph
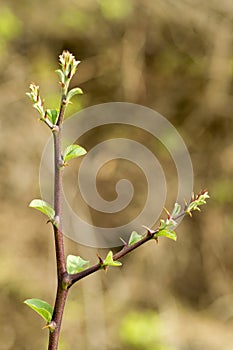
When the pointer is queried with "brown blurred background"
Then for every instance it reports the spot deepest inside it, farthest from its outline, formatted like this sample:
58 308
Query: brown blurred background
175 57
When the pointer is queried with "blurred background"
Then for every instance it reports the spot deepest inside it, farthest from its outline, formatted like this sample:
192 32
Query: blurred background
175 57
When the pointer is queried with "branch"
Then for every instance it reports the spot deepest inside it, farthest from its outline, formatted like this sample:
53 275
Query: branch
68 64
62 293
125 250
54 119
164 229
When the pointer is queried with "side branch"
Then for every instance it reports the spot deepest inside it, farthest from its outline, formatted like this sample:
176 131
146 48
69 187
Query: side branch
165 229
124 251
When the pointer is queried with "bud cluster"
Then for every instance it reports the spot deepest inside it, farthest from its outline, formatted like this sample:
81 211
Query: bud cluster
196 201
68 68
34 95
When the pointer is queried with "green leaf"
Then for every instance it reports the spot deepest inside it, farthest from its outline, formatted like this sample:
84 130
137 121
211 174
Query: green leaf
44 207
193 206
29 94
41 307
61 75
73 151
109 260
39 108
167 233
52 115
75 264
73 92
162 224
134 238
176 210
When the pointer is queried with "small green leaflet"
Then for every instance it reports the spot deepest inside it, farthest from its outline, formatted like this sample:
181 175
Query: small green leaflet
73 151
134 238
109 260
41 307
193 206
44 207
52 115
162 224
167 233
73 92
75 264
30 95
176 210
200 200
168 224
61 75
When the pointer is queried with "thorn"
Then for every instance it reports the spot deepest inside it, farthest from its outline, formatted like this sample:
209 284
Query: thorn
52 325
167 212
100 259
149 231
185 203
124 242
105 267
46 326
189 213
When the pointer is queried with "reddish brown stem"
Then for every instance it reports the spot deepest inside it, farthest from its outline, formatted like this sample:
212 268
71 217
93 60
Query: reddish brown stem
57 317
62 290
124 251
58 236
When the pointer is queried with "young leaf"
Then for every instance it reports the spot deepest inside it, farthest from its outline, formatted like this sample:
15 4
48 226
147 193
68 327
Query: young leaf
109 260
73 151
61 75
162 224
34 95
41 307
196 202
167 233
176 210
44 207
73 92
52 115
134 238
75 264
